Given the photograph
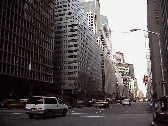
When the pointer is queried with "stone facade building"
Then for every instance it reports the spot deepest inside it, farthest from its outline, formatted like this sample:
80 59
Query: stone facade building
77 55
157 23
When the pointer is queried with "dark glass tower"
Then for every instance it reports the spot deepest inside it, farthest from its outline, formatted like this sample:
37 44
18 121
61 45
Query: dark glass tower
26 47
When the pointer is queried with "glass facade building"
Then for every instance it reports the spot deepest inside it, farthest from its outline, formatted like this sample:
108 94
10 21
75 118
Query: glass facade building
26 47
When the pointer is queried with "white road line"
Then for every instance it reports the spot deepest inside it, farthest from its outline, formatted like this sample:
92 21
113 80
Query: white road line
77 113
15 113
93 116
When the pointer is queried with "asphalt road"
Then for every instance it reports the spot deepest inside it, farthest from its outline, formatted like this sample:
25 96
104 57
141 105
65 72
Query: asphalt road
115 115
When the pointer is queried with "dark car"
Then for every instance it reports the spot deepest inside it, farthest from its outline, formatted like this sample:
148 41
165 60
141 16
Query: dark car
79 104
1 102
7 102
160 116
118 101
90 102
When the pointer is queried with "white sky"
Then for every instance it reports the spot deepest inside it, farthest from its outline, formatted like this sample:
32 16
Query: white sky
124 15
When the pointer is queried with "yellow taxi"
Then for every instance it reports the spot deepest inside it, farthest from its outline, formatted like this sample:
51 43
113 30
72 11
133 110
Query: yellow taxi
101 103
16 103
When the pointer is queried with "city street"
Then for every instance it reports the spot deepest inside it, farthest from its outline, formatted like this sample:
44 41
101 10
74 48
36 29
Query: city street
64 59
115 115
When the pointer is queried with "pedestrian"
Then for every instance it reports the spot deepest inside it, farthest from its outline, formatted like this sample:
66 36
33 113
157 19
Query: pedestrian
158 100
154 101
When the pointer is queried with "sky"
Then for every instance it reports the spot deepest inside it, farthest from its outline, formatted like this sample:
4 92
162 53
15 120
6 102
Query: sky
124 15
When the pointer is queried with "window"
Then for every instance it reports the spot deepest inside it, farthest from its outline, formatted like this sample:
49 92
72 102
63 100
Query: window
50 101
35 100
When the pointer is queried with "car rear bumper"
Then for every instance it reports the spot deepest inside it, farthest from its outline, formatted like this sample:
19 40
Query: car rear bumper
126 104
36 112
118 102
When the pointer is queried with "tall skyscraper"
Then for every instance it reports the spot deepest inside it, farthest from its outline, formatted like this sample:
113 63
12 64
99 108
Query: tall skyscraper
26 47
76 52
104 20
92 8
118 57
106 44
127 73
157 22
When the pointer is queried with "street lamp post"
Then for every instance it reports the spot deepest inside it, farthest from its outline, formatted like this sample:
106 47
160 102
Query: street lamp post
30 85
161 59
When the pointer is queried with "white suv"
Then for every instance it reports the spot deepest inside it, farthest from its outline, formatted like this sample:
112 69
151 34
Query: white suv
45 106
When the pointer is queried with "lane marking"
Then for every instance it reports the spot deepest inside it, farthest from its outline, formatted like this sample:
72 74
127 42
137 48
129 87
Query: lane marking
93 116
15 113
77 113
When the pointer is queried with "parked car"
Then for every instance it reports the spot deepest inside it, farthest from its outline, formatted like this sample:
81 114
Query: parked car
126 102
101 103
109 100
17 104
145 100
160 116
45 106
141 100
79 103
7 102
90 102
134 100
